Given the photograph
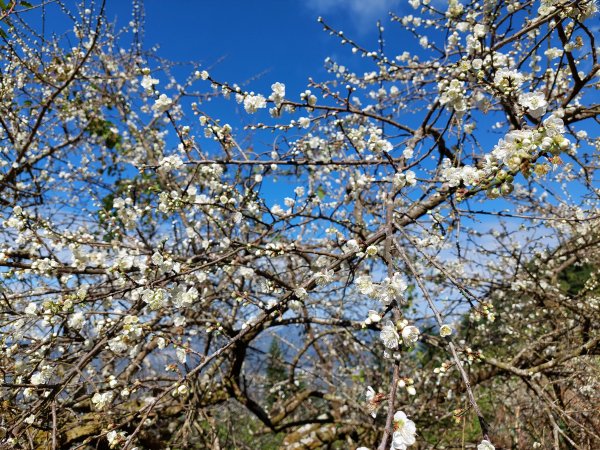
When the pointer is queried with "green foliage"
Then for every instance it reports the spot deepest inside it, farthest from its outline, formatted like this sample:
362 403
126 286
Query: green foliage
104 129
276 371
574 277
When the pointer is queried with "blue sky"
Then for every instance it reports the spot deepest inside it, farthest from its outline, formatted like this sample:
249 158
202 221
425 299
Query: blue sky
279 39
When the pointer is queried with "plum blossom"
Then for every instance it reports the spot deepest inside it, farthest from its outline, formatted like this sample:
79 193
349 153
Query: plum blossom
115 438
389 335
168 163
452 95
101 401
365 285
304 122
148 82
410 335
485 445
374 400
76 321
391 288
508 80
371 250
181 354
404 432
445 330
253 103
373 317
183 297
31 309
324 278
155 298
278 94
162 103
42 376
402 179
535 102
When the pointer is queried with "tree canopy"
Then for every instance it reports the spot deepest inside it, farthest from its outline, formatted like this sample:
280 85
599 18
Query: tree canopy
404 257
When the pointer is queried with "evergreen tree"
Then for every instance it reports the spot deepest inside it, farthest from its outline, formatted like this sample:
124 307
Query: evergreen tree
276 370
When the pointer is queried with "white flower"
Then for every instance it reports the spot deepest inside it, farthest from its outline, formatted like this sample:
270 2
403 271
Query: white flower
76 321
455 9
377 144
477 64
115 438
148 82
452 94
410 335
181 355
445 330
479 30
295 305
183 297
278 93
31 309
507 80
370 393
304 122
374 316
111 437
390 336
324 278
486 445
42 376
167 163
364 284
554 125
162 103
300 293
535 102
156 299
100 401
253 103
398 284
371 250
404 431
391 289
374 401
118 344
352 246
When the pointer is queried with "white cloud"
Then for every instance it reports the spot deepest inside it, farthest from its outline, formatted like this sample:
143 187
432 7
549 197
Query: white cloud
363 13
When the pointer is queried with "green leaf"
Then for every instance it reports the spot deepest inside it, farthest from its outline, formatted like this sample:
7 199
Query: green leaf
26 4
3 33
321 192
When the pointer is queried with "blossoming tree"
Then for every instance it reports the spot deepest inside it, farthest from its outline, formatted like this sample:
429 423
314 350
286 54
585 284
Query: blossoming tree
430 277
